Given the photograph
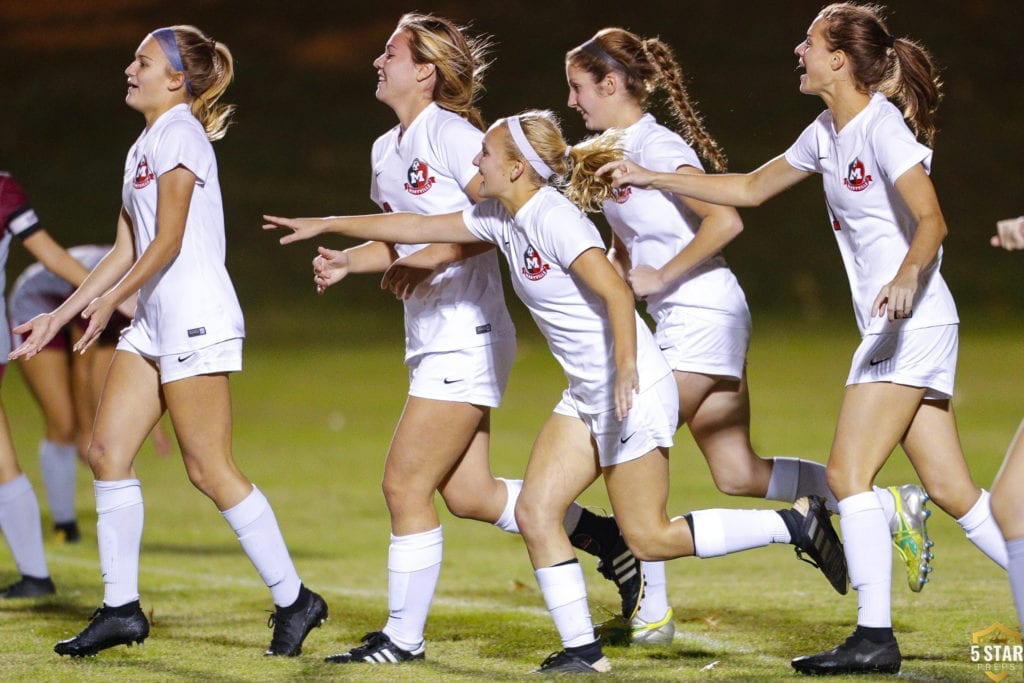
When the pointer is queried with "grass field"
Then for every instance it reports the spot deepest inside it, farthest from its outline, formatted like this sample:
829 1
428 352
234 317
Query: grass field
312 421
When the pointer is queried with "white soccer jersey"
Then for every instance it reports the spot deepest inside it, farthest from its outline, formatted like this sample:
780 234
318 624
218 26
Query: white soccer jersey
16 218
655 226
191 303
540 243
39 290
424 170
872 224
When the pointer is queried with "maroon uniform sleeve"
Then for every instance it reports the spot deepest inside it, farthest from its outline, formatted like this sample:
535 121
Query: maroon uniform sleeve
16 214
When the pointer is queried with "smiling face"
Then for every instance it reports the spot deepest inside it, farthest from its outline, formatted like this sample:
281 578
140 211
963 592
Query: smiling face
814 56
493 162
588 97
396 70
153 87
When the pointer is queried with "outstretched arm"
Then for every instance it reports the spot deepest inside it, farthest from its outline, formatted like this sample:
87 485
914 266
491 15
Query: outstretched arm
331 266
55 258
406 228
728 189
109 270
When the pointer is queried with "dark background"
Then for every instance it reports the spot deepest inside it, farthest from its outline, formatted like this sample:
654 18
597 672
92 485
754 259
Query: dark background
307 117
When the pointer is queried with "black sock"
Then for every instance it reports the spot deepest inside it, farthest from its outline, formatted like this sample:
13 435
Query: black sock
299 600
793 521
875 634
562 564
126 609
594 534
590 653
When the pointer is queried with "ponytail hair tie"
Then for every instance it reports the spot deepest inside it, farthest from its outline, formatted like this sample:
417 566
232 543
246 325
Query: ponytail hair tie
890 40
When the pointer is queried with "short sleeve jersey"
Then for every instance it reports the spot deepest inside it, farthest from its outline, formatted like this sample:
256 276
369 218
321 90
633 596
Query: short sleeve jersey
16 218
191 303
872 225
424 170
540 243
655 226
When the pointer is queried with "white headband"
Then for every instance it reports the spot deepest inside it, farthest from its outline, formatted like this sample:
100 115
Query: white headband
526 149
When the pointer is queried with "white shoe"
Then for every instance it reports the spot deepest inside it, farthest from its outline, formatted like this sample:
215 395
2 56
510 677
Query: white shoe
659 632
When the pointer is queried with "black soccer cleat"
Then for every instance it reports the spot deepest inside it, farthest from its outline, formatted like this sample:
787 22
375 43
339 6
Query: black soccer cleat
67 532
811 531
563 662
108 626
29 587
377 648
857 655
293 623
620 566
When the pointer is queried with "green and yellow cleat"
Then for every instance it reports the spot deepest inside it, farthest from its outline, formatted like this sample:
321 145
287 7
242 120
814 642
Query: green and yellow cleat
909 534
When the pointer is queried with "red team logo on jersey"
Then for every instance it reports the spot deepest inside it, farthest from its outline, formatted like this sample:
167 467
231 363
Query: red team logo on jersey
857 179
143 175
534 267
621 194
419 176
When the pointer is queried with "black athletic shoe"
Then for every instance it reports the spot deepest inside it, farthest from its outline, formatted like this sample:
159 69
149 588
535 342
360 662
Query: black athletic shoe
566 663
377 648
108 626
29 587
856 656
811 531
292 624
67 532
620 566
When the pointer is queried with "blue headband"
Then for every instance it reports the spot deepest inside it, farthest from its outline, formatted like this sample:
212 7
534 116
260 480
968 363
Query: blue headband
594 49
169 44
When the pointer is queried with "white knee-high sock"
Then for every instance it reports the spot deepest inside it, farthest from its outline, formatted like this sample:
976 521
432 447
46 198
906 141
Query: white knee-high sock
565 595
654 604
19 522
868 547
119 522
888 503
794 478
414 564
58 463
1015 568
507 521
983 531
722 531
254 523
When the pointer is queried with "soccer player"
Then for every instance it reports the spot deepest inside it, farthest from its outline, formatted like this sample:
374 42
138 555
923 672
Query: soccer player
618 415
19 508
886 218
668 247
1007 501
66 385
460 340
184 340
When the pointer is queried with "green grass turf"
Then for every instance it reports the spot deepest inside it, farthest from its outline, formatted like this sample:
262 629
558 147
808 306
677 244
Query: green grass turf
312 421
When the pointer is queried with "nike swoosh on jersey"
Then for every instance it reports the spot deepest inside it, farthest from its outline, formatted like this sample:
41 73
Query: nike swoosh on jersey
621 440
451 381
182 359
880 360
